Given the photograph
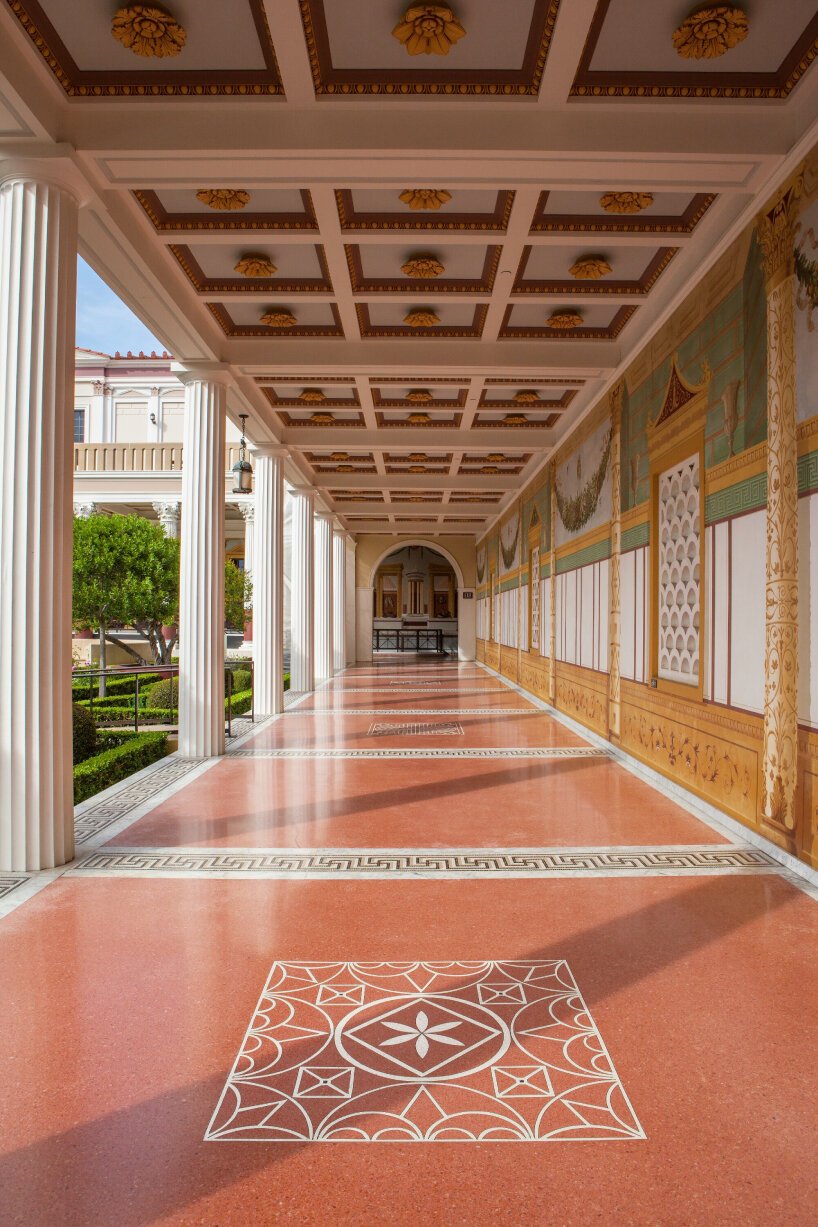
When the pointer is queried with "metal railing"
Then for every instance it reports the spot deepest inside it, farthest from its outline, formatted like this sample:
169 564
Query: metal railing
408 640
154 673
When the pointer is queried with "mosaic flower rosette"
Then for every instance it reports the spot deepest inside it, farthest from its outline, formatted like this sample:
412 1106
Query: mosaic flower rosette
422 1052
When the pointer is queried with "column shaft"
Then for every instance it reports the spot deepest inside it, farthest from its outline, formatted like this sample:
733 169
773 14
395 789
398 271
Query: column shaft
38 256
776 235
339 628
323 597
201 580
302 659
614 585
268 584
552 590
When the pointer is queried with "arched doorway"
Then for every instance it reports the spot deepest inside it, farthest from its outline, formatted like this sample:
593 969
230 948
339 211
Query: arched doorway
416 586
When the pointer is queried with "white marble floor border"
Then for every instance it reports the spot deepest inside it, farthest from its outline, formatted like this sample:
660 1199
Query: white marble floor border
796 871
451 863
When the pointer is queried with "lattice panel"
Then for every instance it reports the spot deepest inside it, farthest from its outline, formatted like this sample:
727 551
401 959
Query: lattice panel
534 581
679 572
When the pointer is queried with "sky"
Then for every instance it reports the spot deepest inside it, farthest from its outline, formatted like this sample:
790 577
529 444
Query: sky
103 320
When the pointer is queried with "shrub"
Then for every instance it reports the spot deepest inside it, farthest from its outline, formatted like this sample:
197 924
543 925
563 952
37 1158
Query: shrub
84 734
163 694
114 685
242 702
242 680
114 764
124 715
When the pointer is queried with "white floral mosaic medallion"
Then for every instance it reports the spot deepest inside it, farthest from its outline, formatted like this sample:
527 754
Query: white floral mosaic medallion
422 1052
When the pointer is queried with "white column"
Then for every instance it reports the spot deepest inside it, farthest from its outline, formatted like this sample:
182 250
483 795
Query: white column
351 548
324 657
201 579
302 657
363 624
268 581
339 591
170 515
108 421
38 260
247 507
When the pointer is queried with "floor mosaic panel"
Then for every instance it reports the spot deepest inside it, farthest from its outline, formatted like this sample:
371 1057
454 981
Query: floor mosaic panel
423 1052
443 728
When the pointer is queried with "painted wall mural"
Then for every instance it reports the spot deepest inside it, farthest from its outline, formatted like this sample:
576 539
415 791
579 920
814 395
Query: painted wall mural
510 542
584 487
806 315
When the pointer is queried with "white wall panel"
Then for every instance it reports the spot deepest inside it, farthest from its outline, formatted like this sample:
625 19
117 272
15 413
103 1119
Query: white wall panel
719 637
603 570
586 585
808 610
627 640
746 646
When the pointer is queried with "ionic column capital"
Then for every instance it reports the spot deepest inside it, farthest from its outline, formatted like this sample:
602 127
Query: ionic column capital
776 231
247 507
51 166
202 372
84 508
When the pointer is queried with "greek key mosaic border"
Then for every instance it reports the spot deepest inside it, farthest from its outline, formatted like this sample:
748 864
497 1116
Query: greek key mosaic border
98 817
380 863
10 882
431 752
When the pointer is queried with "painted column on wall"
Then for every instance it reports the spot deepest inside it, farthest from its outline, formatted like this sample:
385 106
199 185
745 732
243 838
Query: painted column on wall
552 590
614 588
776 236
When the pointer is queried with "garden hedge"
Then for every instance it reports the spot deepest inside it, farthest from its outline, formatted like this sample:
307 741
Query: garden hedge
114 764
114 685
84 733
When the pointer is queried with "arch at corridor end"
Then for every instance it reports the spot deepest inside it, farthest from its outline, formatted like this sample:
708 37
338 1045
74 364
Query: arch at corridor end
466 628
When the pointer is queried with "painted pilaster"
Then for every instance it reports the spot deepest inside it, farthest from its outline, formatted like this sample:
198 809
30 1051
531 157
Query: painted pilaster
201 579
324 655
777 239
339 588
614 584
108 420
154 417
552 591
38 261
94 431
302 654
170 517
268 581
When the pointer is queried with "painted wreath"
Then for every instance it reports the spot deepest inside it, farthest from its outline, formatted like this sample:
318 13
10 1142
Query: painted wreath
509 549
481 565
576 512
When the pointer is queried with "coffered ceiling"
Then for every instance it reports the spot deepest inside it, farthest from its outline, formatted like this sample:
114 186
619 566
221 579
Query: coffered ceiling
424 239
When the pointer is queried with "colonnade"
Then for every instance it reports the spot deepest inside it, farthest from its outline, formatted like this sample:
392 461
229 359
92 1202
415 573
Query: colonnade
39 205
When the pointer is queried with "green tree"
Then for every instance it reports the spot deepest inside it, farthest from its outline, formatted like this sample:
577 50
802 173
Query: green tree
237 595
126 573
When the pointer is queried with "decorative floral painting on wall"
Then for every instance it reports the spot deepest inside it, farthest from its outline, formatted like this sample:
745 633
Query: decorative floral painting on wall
806 316
510 542
584 487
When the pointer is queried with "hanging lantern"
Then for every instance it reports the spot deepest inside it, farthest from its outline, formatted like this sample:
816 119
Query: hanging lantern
242 469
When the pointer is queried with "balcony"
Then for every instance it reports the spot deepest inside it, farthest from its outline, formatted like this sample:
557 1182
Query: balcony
135 458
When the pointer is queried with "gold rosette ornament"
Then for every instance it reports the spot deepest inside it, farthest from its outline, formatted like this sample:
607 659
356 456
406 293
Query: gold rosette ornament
277 317
148 30
515 419
564 321
425 197
423 266
526 397
339 456
626 202
421 318
313 395
321 419
711 32
255 265
590 268
223 198
419 396
419 419
428 29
